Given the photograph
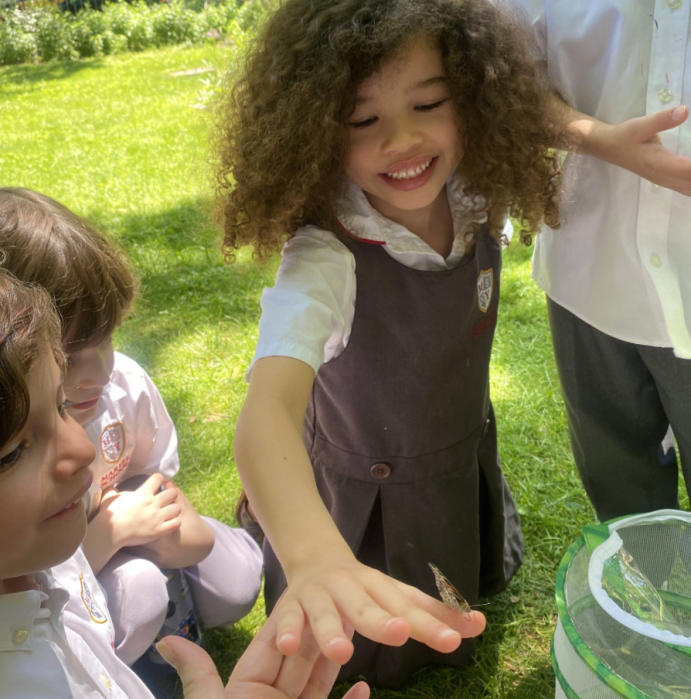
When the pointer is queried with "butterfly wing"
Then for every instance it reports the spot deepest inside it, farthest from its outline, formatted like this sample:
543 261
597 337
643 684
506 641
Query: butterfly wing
449 594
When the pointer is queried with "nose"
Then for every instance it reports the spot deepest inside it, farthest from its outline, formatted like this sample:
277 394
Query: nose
74 450
403 135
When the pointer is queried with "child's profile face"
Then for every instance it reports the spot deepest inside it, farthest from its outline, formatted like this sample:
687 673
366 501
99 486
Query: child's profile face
44 473
403 137
88 372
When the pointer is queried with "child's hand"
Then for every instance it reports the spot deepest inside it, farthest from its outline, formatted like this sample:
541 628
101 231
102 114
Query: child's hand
262 672
636 146
143 515
378 607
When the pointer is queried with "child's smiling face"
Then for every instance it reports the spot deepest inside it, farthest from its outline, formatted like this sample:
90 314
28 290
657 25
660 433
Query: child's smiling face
403 141
44 472
88 373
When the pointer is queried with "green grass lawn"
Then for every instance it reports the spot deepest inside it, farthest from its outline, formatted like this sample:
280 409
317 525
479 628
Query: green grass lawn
118 140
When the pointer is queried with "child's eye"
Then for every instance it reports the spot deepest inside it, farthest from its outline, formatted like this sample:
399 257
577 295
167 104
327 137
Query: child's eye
11 459
362 124
431 107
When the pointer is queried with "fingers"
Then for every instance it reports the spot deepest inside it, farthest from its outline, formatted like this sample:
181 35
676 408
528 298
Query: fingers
358 691
167 496
327 627
262 661
197 671
296 670
169 526
651 124
357 605
425 626
153 483
468 625
290 622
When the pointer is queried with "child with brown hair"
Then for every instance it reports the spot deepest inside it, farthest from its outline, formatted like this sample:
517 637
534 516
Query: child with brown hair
382 144
139 521
56 635
55 639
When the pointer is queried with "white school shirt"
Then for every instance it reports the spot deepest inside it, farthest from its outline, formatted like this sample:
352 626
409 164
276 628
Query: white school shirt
622 259
131 430
308 314
57 643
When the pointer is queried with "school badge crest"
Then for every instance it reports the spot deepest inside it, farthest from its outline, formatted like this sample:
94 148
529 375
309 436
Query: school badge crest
485 289
95 612
112 442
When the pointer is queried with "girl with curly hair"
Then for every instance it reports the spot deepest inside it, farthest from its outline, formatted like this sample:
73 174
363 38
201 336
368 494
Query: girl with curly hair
382 144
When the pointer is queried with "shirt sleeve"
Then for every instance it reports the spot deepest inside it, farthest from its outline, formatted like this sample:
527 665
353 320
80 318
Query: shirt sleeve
308 314
154 436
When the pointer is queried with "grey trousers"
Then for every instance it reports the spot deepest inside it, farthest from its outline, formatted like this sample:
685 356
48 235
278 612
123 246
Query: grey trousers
621 400
224 587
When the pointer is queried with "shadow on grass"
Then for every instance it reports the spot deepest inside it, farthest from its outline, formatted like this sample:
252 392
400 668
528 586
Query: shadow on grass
537 684
186 286
29 73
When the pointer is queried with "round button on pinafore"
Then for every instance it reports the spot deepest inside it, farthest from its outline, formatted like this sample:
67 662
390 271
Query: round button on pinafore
380 471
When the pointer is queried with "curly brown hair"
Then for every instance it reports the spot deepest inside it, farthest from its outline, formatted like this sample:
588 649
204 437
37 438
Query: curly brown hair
28 326
281 135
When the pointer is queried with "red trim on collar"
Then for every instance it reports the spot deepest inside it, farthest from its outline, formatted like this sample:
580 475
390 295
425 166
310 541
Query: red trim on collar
362 240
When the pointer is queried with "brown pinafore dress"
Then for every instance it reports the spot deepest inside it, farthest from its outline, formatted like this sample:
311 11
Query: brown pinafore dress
401 434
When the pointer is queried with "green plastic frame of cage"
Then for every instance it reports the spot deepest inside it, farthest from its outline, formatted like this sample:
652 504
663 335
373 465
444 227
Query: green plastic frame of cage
604 674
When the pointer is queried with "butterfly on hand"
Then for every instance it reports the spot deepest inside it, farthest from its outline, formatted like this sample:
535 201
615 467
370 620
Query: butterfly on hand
450 596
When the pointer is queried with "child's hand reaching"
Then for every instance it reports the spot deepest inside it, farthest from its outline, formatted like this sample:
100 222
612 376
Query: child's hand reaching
378 607
143 515
261 673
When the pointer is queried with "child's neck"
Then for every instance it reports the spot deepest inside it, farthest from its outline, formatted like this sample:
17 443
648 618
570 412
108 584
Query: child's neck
433 224
20 584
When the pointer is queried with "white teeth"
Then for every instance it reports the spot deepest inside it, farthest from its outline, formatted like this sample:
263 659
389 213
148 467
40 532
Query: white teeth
409 174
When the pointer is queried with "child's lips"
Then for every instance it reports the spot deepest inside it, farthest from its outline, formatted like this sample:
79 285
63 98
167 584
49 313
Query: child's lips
408 184
85 405
76 500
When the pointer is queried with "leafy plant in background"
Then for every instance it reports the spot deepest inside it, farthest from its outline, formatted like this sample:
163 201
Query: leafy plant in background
42 32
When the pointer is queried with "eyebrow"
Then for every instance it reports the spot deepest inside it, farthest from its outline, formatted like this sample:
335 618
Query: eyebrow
428 82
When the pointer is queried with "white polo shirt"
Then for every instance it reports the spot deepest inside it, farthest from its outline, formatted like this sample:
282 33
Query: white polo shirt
308 314
131 430
622 259
57 642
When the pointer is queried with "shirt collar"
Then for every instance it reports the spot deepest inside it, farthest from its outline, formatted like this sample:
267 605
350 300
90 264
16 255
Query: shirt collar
20 610
113 391
357 216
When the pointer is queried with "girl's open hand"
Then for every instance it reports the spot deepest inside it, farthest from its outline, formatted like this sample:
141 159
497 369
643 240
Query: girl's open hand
377 606
143 515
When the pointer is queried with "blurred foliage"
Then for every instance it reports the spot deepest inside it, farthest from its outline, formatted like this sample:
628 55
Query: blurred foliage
38 30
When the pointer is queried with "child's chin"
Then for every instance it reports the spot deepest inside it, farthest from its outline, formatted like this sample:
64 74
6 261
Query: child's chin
71 539
81 417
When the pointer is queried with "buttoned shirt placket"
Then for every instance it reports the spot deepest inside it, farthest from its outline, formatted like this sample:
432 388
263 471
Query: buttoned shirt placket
662 211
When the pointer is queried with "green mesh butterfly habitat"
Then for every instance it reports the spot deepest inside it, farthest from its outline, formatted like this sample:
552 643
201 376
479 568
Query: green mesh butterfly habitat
624 601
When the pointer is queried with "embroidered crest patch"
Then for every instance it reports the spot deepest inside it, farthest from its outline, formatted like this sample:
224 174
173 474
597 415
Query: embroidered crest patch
485 289
112 442
95 612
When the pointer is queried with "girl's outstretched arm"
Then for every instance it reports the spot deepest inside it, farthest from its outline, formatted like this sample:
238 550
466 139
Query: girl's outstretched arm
325 581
